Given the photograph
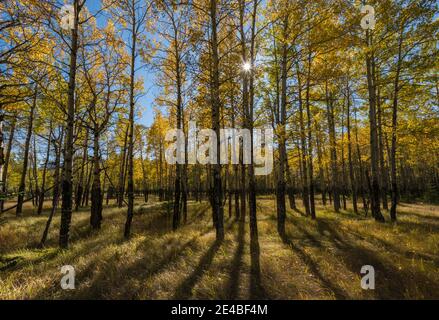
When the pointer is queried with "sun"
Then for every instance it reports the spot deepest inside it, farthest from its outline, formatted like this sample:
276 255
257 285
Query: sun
246 66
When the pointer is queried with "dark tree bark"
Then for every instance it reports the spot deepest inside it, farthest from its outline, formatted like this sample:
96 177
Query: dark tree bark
335 188
310 147
22 187
394 131
250 123
353 183
2 162
383 169
303 151
280 116
46 162
216 185
80 186
6 158
67 183
121 184
96 191
56 181
374 151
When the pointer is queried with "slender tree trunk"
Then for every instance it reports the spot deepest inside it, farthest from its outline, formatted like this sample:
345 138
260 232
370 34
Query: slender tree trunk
375 185
281 128
250 122
235 174
2 163
56 181
96 191
343 162
130 187
80 187
321 169
67 183
305 172
46 162
383 170
121 184
310 149
178 167
144 175
245 97
361 169
217 192
290 188
6 158
22 187
333 151
353 183
35 173
394 132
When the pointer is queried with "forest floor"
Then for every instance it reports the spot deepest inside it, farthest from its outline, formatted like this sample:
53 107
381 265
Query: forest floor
318 259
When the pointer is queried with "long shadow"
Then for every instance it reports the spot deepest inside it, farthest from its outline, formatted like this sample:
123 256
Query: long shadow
233 284
429 218
338 292
422 228
308 236
392 248
299 212
141 270
200 213
257 290
391 282
184 290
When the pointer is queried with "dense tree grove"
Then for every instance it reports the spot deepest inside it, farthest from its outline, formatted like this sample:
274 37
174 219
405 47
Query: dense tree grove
355 111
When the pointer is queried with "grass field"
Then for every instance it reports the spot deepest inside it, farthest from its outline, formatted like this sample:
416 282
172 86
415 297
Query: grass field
318 259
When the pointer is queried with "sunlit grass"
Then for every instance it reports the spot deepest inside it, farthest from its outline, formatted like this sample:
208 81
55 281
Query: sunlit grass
320 260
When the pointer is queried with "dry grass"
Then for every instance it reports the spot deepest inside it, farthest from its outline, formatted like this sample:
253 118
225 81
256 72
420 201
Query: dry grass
317 260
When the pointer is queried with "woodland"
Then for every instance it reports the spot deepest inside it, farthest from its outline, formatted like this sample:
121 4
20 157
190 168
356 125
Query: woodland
89 90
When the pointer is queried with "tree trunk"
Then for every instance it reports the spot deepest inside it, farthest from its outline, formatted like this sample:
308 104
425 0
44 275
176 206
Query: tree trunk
333 150
130 187
6 158
80 187
2 163
310 149
121 184
22 187
305 172
67 184
56 181
217 192
394 132
353 183
46 162
375 185
96 192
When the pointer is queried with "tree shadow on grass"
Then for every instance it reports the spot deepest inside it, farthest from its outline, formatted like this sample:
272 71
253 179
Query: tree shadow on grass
420 227
392 248
184 290
391 282
232 287
299 212
338 292
257 290
141 270
425 217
